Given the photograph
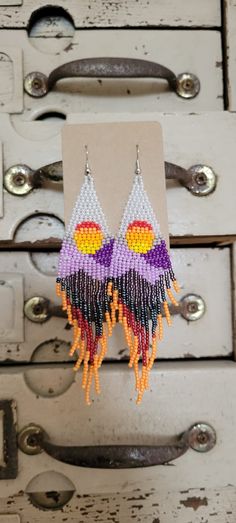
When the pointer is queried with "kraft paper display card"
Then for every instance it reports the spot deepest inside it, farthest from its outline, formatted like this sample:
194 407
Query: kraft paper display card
112 156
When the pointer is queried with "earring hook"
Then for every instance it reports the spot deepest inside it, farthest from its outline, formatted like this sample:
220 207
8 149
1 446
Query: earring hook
87 167
138 168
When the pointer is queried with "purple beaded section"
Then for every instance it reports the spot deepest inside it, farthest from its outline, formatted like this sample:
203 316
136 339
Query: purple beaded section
150 265
103 255
158 257
95 265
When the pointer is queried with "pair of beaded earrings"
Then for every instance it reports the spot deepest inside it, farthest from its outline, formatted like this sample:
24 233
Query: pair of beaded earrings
102 280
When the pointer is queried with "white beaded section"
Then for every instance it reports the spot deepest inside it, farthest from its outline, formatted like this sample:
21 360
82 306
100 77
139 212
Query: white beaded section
138 207
87 208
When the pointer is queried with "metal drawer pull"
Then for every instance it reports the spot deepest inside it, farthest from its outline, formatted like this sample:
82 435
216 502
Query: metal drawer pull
39 309
199 179
37 84
20 179
200 437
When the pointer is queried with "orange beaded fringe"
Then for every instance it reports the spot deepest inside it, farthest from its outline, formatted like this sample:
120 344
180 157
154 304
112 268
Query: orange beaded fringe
136 350
81 341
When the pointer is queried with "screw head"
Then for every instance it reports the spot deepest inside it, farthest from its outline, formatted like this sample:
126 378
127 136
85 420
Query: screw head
18 180
204 180
29 439
202 437
192 307
36 84
36 309
188 85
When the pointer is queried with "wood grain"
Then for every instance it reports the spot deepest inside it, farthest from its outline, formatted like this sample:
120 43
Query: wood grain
204 13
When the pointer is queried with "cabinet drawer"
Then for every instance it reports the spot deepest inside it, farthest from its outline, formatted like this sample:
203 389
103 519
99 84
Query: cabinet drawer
189 140
17 13
181 51
39 335
180 395
140 506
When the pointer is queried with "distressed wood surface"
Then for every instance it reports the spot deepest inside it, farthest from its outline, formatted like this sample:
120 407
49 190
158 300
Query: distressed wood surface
205 13
230 44
181 51
26 275
11 74
196 505
180 395
188 140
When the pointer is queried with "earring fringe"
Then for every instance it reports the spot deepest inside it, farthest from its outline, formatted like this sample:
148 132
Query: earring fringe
142 279
84 285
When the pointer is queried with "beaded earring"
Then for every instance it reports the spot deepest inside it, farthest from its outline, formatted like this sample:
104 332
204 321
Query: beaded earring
141 276
83 281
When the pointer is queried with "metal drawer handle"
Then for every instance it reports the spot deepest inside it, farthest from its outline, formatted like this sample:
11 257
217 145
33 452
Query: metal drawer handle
37 84
200 437
20 179
39 309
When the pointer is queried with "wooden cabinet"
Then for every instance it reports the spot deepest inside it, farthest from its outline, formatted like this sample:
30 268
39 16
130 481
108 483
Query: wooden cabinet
180 396
31 328
189 141
192 382
165 47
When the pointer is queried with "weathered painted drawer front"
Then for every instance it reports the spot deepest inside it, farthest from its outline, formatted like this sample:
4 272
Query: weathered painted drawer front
36 215
181 51
143 505
32 332
189 140
206 13
181 394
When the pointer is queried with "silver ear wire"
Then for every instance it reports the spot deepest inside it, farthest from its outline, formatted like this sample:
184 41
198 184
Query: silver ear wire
137 168
87 167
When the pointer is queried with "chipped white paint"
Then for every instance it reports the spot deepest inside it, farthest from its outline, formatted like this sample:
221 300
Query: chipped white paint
183 340
204 13
188 140
230 41
180 394
181 51
11 291
192 505
11 78
35 144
